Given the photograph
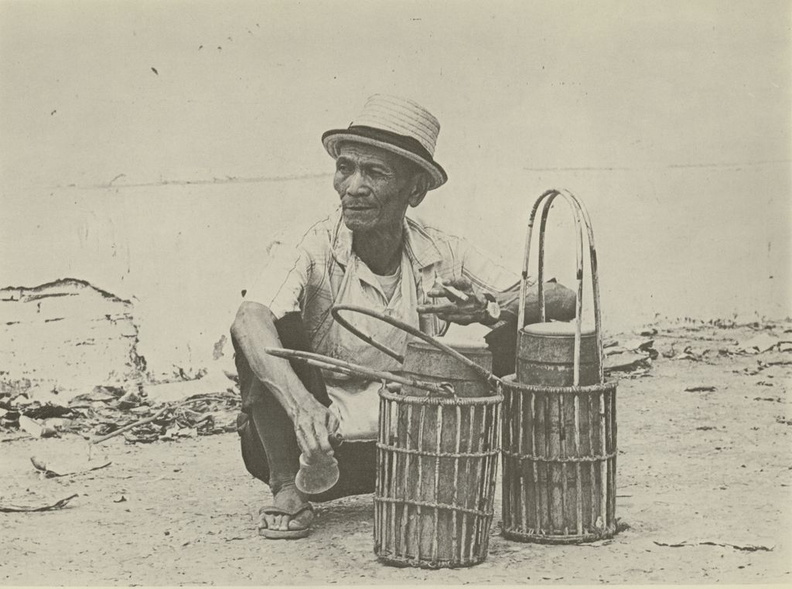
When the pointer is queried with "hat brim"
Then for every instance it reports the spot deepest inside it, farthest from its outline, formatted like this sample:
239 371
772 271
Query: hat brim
333 138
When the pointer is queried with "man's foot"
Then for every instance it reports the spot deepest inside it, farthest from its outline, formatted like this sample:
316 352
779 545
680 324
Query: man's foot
290 516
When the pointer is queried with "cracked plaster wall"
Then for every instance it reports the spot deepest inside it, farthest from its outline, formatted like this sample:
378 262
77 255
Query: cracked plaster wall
66 336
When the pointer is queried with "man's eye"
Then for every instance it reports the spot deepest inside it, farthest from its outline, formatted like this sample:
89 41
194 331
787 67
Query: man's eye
343 167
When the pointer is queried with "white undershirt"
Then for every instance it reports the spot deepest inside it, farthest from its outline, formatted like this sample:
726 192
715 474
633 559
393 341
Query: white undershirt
389 283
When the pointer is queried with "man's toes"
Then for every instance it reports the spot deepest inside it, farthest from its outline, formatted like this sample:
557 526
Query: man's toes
272 522
301 521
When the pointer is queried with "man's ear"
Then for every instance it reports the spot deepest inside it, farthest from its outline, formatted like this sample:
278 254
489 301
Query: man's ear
420 186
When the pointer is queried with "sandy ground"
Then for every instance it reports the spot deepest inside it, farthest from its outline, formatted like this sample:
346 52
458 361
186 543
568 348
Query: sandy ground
707 466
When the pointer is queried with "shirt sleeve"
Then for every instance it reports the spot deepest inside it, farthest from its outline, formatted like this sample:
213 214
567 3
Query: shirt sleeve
282 283
487 275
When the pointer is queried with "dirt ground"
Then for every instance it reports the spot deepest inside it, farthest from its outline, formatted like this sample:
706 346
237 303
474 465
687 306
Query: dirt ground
703 497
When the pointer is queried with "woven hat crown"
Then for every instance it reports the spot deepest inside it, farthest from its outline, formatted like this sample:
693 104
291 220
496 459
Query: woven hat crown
396 124
401 116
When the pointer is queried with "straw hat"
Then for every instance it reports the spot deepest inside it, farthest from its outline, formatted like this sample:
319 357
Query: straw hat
399 125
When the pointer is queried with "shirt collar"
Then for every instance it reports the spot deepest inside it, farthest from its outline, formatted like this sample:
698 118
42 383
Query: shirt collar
420 247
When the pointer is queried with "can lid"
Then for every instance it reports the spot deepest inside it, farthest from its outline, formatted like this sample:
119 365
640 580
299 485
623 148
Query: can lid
459 344
557 328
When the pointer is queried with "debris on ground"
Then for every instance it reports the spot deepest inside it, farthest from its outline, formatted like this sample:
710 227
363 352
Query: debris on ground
626 362
743 546
129 400
771 399
688 353
35 429
631 356
760 343
198 415
31 508
707 341
170 392
67 465
208 408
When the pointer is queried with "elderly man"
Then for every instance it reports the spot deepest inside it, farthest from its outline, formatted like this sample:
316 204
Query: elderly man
369 254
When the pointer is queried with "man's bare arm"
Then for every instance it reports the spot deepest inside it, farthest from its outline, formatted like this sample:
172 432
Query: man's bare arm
559 303
253 330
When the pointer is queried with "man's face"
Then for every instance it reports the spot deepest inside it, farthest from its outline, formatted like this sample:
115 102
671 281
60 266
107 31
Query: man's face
375 187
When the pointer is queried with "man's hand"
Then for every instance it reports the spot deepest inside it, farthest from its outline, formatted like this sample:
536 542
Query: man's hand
466 309
313 425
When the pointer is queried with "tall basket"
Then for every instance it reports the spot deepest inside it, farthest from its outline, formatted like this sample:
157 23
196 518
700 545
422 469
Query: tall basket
437 454
436 462
559 431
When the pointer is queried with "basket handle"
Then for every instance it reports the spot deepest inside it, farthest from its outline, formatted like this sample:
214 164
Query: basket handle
482 372
350 369
581 219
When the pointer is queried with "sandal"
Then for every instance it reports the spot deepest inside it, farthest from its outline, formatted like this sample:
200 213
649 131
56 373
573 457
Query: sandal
283 534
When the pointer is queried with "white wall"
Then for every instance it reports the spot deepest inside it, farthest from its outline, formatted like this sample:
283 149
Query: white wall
670 120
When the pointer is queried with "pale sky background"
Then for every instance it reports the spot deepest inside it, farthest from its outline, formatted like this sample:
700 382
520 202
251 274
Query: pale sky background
670 120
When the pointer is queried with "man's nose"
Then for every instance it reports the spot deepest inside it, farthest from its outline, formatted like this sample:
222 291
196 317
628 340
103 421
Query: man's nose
356 185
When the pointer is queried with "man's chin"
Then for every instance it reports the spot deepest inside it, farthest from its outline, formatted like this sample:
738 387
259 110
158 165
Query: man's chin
360 220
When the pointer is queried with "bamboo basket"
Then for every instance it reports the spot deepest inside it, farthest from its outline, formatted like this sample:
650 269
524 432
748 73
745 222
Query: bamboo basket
559 432
437 453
